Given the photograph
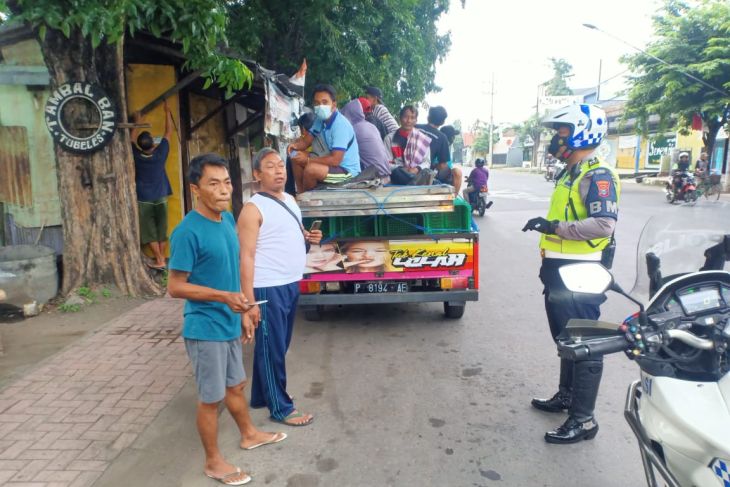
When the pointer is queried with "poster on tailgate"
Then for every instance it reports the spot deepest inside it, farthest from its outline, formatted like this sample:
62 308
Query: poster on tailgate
385 256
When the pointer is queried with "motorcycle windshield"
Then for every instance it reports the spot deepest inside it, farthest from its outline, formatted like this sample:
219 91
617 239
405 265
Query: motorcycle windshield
679 239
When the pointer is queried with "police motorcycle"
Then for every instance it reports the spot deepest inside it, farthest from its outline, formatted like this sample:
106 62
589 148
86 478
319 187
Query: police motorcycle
679 410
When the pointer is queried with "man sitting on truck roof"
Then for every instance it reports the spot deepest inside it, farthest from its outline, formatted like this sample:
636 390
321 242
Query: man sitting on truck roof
440 150
343 160
380 112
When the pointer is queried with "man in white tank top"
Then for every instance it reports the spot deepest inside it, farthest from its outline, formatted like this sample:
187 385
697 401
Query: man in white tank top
273 255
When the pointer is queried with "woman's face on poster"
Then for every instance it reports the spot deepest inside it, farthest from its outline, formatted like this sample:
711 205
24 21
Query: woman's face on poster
367 254
321 255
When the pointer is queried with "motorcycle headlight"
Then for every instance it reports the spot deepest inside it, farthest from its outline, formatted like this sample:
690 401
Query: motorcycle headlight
720 467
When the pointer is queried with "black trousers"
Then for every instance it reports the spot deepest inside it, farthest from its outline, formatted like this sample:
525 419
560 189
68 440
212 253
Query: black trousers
582 378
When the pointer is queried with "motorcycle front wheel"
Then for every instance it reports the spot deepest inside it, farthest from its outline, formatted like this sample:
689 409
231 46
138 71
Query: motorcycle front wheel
690 197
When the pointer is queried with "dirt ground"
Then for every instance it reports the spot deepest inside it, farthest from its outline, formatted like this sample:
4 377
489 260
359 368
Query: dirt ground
26 342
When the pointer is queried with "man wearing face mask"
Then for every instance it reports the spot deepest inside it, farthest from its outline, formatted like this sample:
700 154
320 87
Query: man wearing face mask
579 228
343 161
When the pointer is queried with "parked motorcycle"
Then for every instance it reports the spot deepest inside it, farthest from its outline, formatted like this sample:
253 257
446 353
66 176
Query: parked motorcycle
679 410
681 187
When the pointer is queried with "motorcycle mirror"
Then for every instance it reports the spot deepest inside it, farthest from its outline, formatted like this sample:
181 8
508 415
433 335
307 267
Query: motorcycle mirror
586 277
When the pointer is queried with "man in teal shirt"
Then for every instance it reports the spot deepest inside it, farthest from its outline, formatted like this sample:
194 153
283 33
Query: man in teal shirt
204 271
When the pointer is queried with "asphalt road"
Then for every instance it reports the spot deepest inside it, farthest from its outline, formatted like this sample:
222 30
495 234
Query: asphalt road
403 397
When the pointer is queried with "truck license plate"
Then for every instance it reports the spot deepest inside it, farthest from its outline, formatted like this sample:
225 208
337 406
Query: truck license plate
380 287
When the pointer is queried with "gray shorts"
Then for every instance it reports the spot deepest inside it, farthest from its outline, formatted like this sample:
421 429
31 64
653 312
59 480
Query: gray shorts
216 365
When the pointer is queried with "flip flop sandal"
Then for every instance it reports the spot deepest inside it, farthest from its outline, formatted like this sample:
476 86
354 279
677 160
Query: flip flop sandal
296 415
276 439
223 478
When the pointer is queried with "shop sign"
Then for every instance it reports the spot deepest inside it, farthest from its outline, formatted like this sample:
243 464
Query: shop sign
99 134
658 147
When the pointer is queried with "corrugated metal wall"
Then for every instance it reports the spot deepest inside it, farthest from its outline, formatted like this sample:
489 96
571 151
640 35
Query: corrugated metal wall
15 185
49 236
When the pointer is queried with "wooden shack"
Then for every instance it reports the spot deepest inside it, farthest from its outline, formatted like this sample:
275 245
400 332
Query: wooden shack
206 120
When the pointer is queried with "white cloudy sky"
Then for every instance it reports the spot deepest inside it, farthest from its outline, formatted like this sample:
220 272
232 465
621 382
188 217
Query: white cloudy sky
515 38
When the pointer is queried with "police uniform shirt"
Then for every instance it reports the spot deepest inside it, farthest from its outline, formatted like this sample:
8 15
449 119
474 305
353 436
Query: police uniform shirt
598 192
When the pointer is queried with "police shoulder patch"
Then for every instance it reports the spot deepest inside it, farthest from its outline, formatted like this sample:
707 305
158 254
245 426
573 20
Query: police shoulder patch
604 188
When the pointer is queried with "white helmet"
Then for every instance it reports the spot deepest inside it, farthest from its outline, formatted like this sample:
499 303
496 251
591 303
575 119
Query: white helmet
588 125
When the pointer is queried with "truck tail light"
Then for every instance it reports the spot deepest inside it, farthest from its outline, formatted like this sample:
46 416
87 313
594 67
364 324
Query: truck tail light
309 287
454 282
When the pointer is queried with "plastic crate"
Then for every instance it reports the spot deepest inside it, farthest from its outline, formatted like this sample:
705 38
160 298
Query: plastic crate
354 226
458 220
395 225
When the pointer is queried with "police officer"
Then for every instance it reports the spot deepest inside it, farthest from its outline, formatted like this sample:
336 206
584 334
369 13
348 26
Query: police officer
579 227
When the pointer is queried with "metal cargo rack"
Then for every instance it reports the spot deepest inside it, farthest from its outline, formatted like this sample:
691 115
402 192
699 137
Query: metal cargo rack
382 200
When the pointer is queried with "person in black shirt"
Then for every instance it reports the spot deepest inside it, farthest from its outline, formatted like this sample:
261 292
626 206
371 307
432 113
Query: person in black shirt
679 175
683 163
440 151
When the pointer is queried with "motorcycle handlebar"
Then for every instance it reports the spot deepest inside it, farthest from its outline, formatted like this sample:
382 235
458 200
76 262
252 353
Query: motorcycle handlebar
691 339
593 348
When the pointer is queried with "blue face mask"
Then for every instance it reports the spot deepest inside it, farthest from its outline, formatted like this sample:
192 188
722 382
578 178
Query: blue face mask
323 112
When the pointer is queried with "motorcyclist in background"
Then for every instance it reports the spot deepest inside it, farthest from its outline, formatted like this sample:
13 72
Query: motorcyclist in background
679 175
579 227
683 164
478 179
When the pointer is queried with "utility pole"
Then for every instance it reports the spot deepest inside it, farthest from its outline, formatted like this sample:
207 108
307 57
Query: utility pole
491 122
536 138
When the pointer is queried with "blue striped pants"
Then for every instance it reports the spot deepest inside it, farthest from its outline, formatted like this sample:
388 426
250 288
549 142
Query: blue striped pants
273 336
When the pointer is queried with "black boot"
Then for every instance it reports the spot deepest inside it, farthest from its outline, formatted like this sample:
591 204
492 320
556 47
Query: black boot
557 404
563 399
573 431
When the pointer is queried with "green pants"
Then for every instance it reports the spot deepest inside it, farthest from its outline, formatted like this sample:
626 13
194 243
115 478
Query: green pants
152 221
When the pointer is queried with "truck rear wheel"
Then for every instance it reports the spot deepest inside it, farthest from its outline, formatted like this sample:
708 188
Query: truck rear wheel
454 311
313 313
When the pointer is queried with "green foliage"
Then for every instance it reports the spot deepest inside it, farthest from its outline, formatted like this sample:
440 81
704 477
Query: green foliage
558 84
198 25
4 11
107 293
392 44
530 127
695 39
86 293
69 308
481 137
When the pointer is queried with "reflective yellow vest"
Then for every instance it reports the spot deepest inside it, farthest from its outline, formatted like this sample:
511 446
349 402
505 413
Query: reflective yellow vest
567 205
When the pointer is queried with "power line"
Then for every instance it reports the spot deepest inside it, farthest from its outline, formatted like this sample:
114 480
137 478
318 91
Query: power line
678 68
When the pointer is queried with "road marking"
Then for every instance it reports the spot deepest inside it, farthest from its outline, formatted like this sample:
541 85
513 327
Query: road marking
518 195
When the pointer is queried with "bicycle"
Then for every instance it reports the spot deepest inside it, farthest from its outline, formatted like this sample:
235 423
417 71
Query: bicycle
710 186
